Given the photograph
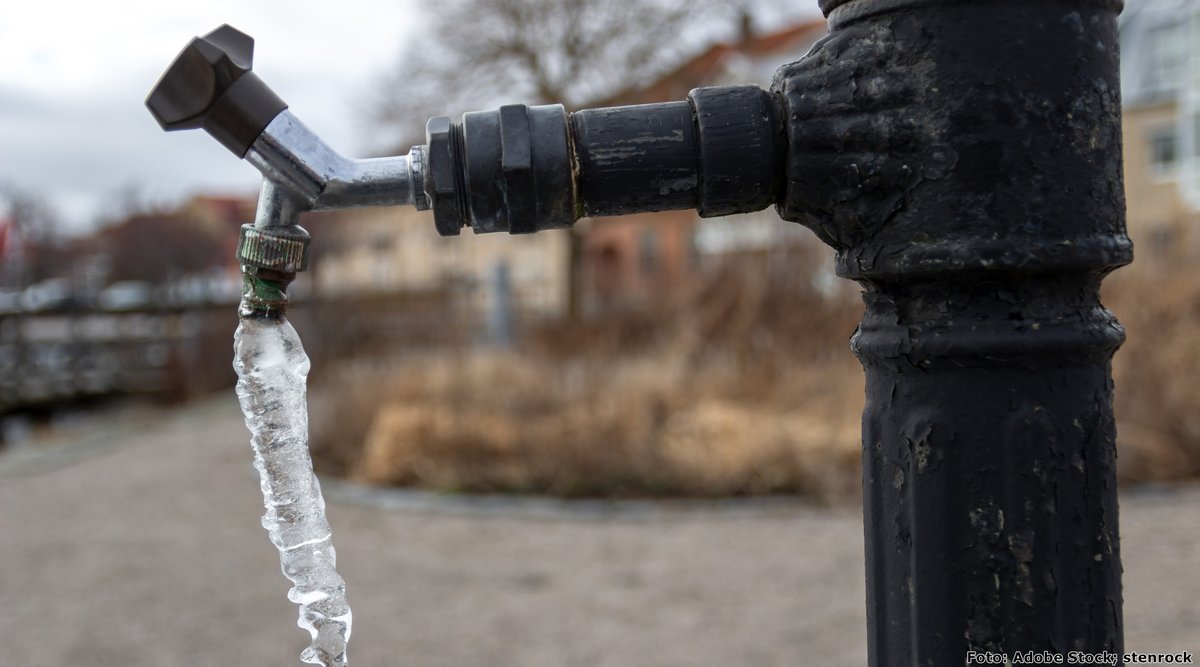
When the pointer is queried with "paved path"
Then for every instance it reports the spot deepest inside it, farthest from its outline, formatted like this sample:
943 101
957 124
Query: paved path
140 545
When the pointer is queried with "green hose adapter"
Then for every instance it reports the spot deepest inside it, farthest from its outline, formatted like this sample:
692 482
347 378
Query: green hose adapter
270 258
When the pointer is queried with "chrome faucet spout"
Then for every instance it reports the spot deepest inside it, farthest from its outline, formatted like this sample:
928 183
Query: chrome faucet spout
292 155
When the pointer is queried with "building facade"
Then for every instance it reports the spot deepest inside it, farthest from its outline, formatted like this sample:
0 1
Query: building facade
1160 88
620 261
397 249
634 260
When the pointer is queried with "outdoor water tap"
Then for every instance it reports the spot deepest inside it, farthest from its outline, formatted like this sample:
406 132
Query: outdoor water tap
211 86
518 168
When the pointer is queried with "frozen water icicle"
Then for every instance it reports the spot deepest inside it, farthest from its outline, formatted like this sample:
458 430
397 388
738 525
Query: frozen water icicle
272 369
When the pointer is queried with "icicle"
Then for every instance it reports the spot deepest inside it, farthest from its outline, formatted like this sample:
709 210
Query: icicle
272 369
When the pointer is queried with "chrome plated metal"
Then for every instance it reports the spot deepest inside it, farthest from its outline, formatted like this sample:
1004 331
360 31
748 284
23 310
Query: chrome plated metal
277 206
313 176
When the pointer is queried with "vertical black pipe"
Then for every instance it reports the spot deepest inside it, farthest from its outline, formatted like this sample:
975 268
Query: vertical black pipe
965 160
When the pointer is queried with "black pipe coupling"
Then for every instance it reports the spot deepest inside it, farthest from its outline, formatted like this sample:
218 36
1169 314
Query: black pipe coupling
501 170
522 169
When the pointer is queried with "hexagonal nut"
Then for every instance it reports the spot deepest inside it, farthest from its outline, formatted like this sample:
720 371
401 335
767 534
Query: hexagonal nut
418 159
441 185
516 168
283 249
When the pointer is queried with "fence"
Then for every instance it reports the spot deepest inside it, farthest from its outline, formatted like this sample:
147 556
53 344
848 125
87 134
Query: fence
49 358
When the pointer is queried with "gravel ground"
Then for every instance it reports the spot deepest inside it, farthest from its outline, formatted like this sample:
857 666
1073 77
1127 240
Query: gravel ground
139 544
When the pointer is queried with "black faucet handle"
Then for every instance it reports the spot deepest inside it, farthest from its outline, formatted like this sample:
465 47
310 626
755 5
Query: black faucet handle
211 85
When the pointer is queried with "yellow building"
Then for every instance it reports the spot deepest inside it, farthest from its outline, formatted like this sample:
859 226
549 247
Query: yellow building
1160 72
398 249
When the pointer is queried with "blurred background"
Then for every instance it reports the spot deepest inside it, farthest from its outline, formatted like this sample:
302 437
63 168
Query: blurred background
645 356
628 347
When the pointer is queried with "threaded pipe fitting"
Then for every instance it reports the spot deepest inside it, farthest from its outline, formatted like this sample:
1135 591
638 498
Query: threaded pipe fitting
283 249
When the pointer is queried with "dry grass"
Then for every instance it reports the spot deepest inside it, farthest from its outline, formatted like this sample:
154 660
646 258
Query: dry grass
747 386
508 423
1157 372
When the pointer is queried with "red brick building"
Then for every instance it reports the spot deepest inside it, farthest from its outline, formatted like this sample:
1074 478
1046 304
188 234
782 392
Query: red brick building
633 260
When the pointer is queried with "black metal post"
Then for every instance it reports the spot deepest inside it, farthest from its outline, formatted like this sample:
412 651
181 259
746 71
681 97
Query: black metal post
964 158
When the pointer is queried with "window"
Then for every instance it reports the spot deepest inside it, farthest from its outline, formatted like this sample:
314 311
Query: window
381 242
1161 238
648 251
694 252
1196 135
1166 59
1164 149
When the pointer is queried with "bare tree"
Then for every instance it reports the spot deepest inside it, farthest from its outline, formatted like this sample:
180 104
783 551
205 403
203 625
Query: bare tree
158 246
477 54
38 228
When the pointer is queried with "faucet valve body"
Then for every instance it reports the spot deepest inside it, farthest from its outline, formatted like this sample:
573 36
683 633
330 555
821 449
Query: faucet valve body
210 85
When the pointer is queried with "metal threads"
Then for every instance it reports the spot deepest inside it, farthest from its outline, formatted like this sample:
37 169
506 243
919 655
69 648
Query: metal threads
442 185
285 250
457 156
416 172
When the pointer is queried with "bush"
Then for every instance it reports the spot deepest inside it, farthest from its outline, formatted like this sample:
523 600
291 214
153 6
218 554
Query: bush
1157 371
744 386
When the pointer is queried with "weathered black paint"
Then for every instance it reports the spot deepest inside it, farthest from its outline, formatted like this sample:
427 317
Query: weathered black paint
741 148
964 158
636 158
521 169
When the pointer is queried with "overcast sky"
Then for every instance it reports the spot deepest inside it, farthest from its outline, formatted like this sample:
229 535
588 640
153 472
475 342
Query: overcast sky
74 77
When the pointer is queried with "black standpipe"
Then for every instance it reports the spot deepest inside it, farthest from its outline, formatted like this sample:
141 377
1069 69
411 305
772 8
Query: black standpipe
963 158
